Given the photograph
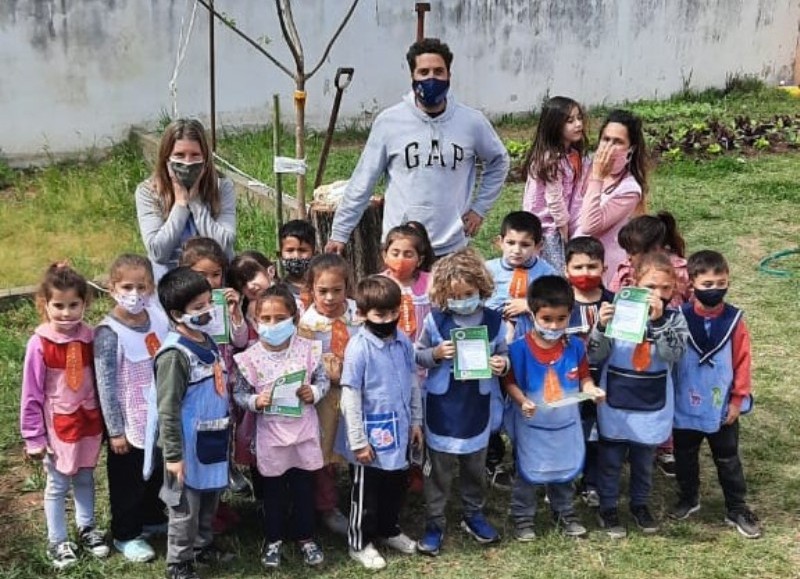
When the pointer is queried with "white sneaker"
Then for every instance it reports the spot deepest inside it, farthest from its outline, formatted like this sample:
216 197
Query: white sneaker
401 543
369 558
336 522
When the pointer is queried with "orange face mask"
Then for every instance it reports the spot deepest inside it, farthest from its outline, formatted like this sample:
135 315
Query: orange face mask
401 267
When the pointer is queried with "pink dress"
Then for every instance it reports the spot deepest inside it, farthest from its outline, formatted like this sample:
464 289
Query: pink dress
60 411
604 213
283 442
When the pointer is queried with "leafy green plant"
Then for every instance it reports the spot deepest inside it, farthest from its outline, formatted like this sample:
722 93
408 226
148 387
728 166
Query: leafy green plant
762 144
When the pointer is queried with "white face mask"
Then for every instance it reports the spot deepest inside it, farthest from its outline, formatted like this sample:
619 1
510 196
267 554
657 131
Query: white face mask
134 303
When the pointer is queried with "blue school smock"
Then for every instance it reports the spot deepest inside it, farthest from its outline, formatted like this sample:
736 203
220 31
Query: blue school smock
548 447
704 376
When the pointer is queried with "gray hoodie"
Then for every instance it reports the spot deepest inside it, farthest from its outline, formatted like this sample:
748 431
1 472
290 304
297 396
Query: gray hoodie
430 167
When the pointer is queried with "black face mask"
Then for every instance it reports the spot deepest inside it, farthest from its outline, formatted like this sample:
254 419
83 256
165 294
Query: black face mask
187 173
295 266
710 297
383 330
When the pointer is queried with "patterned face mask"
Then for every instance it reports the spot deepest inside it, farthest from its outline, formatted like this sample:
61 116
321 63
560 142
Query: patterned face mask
295 266
186 173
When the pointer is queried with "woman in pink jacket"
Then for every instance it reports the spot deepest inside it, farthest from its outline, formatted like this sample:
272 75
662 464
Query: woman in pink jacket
617 185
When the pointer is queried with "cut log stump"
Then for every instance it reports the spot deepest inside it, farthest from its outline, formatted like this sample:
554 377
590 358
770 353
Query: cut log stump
363 251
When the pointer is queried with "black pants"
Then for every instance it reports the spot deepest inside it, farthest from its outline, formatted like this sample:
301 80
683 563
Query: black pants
724 446
134 501
376 497
290 494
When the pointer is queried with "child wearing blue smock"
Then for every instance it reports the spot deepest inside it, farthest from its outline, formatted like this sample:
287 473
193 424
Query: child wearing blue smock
639 407
548 371
459 414
382 420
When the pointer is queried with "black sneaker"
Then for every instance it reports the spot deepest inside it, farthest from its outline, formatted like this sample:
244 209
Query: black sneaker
94 541
211 555
609 520
684 509
745 521
183 570
644 520
570 525
271 555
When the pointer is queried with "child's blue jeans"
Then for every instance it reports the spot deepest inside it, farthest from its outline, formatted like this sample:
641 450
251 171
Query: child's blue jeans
611 457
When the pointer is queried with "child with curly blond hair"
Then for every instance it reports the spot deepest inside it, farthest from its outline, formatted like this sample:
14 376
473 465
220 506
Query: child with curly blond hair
459 414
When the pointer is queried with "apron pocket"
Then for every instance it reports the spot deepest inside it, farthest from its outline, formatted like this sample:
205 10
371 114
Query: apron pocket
212 441
639 391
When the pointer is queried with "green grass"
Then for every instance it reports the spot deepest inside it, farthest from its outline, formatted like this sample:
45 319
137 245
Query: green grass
745 207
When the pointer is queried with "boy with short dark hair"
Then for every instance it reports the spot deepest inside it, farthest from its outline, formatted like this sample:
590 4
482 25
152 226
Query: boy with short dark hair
298 243
382 410
520 240
193 423
548 367
712 388
584 269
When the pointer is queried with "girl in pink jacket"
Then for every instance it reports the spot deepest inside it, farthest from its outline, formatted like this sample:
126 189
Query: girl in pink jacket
60 416
556 169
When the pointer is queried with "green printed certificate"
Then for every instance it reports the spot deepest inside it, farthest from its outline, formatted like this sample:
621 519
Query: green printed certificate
471 361
220 327
284 400
630 315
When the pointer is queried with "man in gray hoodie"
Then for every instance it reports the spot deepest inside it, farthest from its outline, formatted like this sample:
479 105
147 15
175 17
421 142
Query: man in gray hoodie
427 146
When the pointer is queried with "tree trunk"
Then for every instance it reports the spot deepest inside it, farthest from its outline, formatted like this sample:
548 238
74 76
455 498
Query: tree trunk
363 251
300 141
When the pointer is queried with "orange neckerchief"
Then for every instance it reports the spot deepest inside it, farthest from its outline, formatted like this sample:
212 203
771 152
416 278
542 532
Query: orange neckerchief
219 379
552 386
339 338
74 365
408 317
518 288
152 343
641 356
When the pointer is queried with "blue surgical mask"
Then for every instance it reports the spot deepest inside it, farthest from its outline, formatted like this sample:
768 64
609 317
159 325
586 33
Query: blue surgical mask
547 333
431 91
466 306
277 334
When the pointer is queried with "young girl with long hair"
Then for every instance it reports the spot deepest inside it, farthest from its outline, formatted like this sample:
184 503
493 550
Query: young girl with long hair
556 170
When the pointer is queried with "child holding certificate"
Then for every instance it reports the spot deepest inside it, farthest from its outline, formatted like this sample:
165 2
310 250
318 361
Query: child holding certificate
463 346
281 377
637 378
549 376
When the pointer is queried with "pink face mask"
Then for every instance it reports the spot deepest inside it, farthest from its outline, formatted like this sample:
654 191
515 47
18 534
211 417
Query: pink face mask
619 160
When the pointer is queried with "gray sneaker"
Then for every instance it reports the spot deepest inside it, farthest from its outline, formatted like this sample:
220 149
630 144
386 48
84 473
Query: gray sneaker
684 509
570 525
609 521
745 521
524 533
312 554
62 555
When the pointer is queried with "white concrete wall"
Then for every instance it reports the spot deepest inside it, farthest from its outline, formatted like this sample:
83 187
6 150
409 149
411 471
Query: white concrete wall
76 74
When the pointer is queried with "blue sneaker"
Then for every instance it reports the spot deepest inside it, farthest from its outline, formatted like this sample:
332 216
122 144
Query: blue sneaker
481 529
136 550
431 542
